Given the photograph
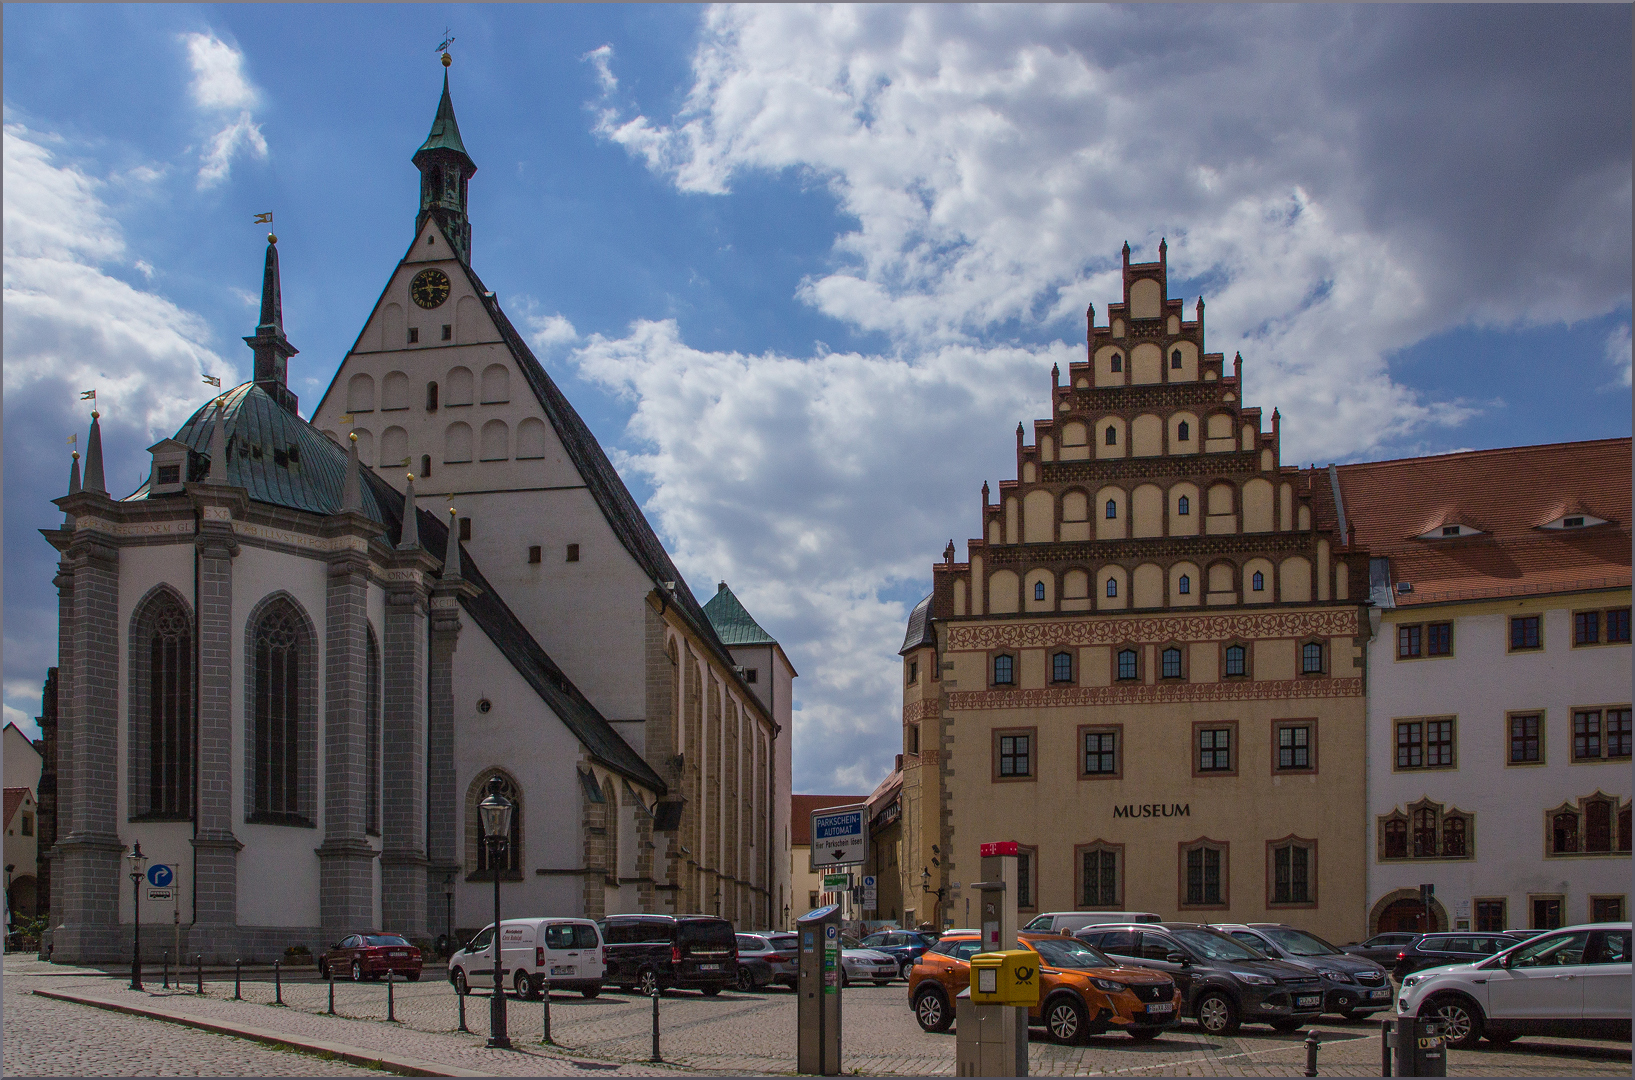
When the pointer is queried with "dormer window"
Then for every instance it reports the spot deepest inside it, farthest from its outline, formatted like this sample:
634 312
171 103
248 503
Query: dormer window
1578 519
169 476
1450 530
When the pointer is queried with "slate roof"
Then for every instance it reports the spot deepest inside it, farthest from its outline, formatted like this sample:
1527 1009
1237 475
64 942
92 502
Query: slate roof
260 435
1507 493
733 625
800 813
445 130
919 627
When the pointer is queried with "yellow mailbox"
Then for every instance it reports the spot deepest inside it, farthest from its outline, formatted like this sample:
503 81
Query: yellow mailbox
1005 978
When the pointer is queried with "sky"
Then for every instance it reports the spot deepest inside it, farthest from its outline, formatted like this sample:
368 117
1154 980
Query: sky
804 269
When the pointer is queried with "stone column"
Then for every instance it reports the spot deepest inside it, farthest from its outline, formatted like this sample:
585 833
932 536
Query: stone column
89 873
442 796
404 892
215 847
346 870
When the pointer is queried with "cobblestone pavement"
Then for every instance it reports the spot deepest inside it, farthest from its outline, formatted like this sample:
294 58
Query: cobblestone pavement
755 1033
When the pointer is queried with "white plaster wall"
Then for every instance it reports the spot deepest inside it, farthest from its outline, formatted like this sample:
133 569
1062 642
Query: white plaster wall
522 736
1479 684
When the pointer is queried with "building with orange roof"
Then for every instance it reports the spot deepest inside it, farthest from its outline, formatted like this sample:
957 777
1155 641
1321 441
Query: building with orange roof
1499 684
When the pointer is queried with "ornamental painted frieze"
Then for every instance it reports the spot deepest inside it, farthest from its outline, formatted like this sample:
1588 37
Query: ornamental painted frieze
919 710
1270 624
1159 694
1191 466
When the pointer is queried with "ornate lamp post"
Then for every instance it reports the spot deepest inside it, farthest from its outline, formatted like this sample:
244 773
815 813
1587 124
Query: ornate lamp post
495 812
139 867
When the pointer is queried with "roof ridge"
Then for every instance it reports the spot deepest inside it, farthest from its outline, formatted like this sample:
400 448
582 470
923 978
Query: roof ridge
1474 453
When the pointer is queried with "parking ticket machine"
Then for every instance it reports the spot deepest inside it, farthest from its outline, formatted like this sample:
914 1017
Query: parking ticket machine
818 984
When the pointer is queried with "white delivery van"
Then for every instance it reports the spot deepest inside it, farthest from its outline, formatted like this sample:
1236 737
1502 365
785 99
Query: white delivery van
567 952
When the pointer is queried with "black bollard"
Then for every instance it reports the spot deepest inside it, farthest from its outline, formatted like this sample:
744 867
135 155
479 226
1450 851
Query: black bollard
462 999
546 1038
1385 1047
330 969
238 980
198 959
167 969
391 1009
656 1057
278 983
1311 1052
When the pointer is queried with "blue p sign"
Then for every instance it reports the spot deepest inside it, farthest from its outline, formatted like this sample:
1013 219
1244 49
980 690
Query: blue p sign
160 876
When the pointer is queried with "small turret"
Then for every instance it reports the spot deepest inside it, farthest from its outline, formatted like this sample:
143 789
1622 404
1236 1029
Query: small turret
218 445
272 349
445 172
1055 376
73 475
451 558
352 485
410 536
93 459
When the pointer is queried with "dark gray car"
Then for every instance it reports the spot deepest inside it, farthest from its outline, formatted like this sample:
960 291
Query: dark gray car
1223 982
770 958
1352 986
1383 948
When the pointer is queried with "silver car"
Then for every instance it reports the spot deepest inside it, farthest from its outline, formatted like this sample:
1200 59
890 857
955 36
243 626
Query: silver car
866 965
776 951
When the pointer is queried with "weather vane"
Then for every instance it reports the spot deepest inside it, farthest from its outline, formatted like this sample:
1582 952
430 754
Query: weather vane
266 219
448 39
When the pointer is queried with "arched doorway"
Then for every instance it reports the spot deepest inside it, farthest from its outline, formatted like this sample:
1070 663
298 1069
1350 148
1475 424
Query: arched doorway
1404 912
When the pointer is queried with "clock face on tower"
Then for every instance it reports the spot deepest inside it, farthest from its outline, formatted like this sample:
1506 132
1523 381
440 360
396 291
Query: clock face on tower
429 288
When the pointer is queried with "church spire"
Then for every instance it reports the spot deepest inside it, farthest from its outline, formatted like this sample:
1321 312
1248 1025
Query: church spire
93 458
445 170
272 349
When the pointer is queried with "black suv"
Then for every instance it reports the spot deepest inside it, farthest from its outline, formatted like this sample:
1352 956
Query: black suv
1224 983
689 952
1434 950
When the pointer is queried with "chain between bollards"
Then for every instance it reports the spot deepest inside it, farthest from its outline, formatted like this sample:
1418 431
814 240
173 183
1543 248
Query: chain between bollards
167 969
656 1058
238 980
1312 1042
198 959
329 969
278 982
391 1009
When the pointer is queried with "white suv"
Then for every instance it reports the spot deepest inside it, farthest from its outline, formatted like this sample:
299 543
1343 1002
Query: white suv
1573 982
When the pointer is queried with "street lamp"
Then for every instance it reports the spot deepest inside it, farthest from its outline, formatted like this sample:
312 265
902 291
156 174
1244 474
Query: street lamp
139 866
448 912
495 812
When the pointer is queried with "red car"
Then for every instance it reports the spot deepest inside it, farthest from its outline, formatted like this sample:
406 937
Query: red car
371 956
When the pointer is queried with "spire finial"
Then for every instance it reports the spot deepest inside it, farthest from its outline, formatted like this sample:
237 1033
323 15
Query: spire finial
73 476
409 537
272 349
451 558
93 458
352 487
218 445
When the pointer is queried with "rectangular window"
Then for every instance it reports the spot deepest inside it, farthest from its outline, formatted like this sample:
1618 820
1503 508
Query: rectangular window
414 335
1439 639
533 553
465 530
751 674
1618 625
1013 755
1172 663
913 672
1586 628
1291 874
1618 733
1311 658
1203 882
1100 753
1524 632
28 824
1438 744
1410 746
1061 667
448 332
1215 750
1098 878
1236 657
1004 670
1546 912
1490 916
1526 746
1127 668
1586 734
1409 641
1607 909
1425 744
914 738
1294 747
170 474
573 553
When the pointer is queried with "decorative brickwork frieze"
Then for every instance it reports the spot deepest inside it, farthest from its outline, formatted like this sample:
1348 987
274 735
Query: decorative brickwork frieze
1231 464
1147 549
1155 629
1159 693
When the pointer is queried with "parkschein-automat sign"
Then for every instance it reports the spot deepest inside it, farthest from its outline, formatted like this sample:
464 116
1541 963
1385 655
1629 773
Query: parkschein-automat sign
839 837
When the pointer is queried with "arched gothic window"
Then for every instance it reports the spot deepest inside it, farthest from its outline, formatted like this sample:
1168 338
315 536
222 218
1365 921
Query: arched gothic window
1112 508
1183 432
1185 585
1112 586
281 751
1118 362
477 849
372 722
1258 582
161 708
1038 590
1112 435
1183 505
1175 359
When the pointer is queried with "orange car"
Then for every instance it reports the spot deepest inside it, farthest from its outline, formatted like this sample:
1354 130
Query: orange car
1081 993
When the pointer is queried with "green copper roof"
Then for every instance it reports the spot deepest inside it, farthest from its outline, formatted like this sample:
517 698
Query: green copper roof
445 131
732 623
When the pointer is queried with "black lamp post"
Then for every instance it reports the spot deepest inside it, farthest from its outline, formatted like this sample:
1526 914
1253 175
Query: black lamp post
139 866
495 811
448 913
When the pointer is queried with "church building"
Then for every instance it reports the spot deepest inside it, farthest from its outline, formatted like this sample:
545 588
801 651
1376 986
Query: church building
292 660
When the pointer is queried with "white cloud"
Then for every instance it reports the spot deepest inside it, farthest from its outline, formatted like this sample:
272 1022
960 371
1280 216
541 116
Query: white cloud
990 162
549 331
226 97
1618 352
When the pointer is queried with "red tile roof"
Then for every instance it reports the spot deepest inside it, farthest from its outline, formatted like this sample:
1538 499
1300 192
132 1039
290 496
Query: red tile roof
1507 494
14 799
800 814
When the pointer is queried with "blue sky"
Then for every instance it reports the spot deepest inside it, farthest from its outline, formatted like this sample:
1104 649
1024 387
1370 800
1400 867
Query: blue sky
803 269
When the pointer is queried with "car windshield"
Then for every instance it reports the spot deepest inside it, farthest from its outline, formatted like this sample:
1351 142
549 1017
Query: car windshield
1213 945
706 932
1068 953
1298 942
1551 951
383 939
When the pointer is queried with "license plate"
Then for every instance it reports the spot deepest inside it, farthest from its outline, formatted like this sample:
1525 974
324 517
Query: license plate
1379 993
564 969
1167 1007
1308 1001
709 967
397 954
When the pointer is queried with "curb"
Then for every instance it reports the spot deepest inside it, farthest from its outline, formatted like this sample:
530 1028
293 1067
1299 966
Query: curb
351 1054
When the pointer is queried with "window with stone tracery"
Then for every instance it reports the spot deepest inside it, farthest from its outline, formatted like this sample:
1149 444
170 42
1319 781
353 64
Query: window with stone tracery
162 709
279 715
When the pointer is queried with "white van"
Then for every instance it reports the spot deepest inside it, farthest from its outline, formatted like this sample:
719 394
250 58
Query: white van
1071 922
568 952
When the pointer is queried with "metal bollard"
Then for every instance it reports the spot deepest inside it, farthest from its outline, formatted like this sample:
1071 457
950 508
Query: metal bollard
545 1039
330 970
1385 1047
198 959
462 999
1312 1042
656 1058
391 1009
167 969
278 983
238 980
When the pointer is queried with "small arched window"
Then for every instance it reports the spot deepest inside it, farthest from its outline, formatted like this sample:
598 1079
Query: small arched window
1004 670
1038 590
1183 506
1061 667
1175 359
1258 582
431 397
1118 362
425 466
1172 663
1185 585
1112 586
1183 432
1311 658
1112 508
1112 435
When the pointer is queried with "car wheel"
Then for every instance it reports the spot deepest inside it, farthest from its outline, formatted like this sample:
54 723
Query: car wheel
1067 1021
647 982
1217 1015
526 988
1283 1027
461 987
710 991
1144 1034
932 1011
1462 1017
746 981
357 971
906 970
592 992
